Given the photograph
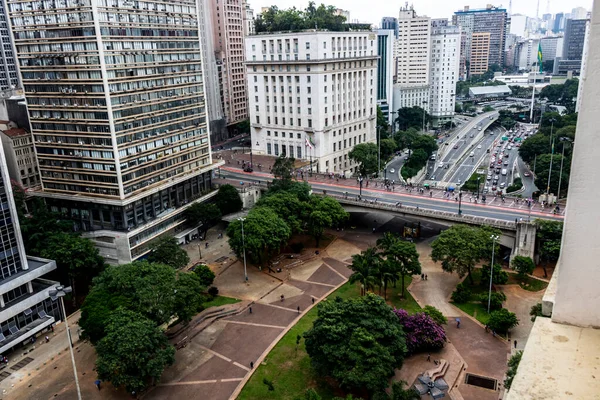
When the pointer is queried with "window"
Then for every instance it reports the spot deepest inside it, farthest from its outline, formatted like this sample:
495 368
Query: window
299 150
269 148
299 136
268 133
291 135
276 149
310 123
307 45
334 147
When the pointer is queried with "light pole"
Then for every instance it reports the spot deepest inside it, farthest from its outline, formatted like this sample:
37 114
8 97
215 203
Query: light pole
562 159
552 120
424 102
378 152
360 179
244 247
478 179
459 200
494 238
61 292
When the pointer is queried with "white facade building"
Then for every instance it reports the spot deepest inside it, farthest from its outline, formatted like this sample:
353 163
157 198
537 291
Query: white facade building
519 25
249 21
527 54
312 95
444 66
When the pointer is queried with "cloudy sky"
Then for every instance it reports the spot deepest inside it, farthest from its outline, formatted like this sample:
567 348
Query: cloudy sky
372 10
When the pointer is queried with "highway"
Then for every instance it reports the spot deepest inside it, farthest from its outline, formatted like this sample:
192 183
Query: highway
493 208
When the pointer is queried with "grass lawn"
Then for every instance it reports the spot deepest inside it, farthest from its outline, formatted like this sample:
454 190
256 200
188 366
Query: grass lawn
476 310
528 283
220 301
288 366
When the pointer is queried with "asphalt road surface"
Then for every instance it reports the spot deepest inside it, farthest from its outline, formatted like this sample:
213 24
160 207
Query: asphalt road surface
479 151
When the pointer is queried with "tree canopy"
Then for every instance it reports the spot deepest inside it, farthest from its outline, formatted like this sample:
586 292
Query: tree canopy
292 19
523 265
283 168
401 258
365 154
228 199
325 212
204 214
166 250
357 342
411 117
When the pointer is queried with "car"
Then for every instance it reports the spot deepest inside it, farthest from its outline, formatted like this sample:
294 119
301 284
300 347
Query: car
505 163
496 177
471 135
507 155
502 185
456 146
392 171
493 188
479 146
489 177
446 143
441 165
495 182
527 174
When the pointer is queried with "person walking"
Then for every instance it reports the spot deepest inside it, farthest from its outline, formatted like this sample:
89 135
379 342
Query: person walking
97 383
429 357
250 309
282 297
515 344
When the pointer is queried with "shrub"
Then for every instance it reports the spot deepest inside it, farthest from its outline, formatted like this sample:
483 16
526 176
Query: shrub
513 364
205 274
422 332
461 294
536 311
213 291
500 277
496 300
435 315
523 265
502 320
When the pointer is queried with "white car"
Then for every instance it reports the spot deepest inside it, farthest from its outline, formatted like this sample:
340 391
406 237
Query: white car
441 165
479 146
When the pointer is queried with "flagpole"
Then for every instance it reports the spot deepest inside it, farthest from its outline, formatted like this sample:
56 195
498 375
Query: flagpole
533 96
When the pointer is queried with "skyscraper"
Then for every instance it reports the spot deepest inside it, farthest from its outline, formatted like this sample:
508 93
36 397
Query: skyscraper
26 308
491 19
480 53
574 39
9 77
444 66
118 115
558 22
390 23
385 71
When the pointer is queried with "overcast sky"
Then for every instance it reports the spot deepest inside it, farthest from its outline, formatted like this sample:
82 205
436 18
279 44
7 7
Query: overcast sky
372 10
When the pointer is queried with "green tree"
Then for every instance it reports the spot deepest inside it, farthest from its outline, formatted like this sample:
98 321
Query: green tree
301 190
402 257
134 352
549 235
500 277
488 108
435 315
228 199
41 224
365 266
365 154
534 146
523 265
205 274
166 250
383 126
513 365
411 117
325 212
406 138
243 126
458 248
496 299
536 311
426 143
188 296
357 342
283 168
543 168
388 147
398 392
203 214
502 320
287 206
264 234
311 394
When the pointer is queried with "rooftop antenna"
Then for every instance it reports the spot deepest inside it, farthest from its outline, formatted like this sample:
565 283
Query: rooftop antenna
510 7
537 10
548 7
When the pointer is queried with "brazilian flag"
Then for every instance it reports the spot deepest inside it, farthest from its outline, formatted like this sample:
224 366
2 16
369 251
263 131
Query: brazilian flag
539 56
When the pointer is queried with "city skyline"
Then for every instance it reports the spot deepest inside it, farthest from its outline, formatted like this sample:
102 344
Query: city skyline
376 9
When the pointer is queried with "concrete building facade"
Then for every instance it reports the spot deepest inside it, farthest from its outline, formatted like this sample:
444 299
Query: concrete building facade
444 69
26 308
385 72
479 53
19 153
229 29
9 76
551 47
123 144
390 23
526 55
313 95
574 39
249 21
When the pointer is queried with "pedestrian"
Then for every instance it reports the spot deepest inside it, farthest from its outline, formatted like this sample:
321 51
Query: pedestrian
251 364
250 309
458 323
429 357
206 246
282 297
47 339
52 328
515 344
425 276
422 277
313 300
298 309
97 383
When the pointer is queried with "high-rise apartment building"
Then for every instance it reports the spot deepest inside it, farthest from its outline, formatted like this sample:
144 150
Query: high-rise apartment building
412 53
526 54
313 95
480 53
9 77
390 23
118 115
385 71
574 39
490 19
444 67
249 21
551 47
229 21
462 63
20 155
26 308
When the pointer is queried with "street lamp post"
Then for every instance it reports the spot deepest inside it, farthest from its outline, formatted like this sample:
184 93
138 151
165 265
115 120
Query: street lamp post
552 120
494 238
360 179
459 201
478 179
385 174
244 247
61 292
424 102
378 152
562 159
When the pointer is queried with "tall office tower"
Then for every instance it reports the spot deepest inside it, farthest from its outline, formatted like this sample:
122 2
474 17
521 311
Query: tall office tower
574 39
558 22
584 62
445 56
228 32
579 13
519 25
9 77
412 55
551 48
385 71
491 19
313 95
390 23
462 62
249 21
526 54
118 115
480 53
26 308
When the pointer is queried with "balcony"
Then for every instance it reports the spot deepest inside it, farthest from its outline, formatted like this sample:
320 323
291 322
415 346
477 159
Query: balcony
17 306
20 335
37 268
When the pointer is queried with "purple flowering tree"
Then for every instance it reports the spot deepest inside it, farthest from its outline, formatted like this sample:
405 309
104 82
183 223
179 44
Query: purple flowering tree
422 332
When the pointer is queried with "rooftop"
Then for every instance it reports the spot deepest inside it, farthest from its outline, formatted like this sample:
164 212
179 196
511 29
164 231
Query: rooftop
15 132
490 89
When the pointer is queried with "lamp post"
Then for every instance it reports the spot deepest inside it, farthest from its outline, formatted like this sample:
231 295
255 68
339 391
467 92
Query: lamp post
459 201
562 159
385 174
61 292
244 247
378 152
478 179
494 238
552 120
360 179
424 102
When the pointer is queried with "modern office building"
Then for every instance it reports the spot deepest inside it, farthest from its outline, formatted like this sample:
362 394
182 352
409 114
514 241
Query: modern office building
579 13
558 23
228 21
412 53
552 47
444 68
26 308
390 23
526 54
462 60
9 76
480 53
313 95
118 116
519 25
491 19
385 72
583 70
574 39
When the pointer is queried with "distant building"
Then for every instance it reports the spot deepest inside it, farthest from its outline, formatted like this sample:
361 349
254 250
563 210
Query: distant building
344 13
558 22
390 23
444 69
249 21
385 71
526 54
462 58
518 25
20 155
551 47
489 92
524 80
583 70
9 77
579 13
480 53
574 39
